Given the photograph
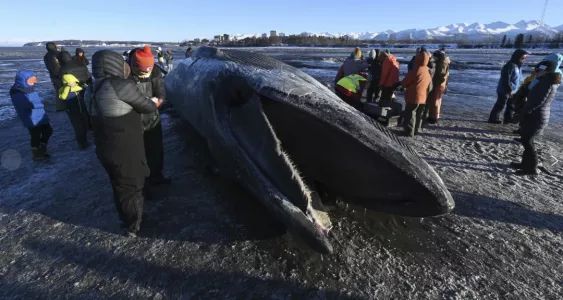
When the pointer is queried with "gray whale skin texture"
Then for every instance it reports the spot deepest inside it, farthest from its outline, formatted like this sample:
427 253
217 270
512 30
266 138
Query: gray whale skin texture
280 134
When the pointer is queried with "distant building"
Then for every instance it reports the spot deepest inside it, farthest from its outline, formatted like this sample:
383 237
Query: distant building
197 40
226 37
265 35
273 33
218 38
282 34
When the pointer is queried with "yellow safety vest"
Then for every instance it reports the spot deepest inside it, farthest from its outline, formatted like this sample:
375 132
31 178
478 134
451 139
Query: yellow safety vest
351 82
68 80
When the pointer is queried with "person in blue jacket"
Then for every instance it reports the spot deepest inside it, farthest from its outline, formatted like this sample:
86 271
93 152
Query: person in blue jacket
510 77
31 112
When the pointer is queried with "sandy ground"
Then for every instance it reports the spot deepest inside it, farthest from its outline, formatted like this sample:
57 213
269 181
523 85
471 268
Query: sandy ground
206 238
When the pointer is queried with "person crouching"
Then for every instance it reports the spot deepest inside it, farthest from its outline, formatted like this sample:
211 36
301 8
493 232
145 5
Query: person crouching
351 88
417 84
31 112
118 134
150 82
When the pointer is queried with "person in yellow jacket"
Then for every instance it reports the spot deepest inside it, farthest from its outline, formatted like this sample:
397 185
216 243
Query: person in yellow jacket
160 56
73 95
351 88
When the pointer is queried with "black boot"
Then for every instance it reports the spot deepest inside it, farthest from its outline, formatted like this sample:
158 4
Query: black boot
159 180
527 172
37 154
517 165
43 147
517 131
495 121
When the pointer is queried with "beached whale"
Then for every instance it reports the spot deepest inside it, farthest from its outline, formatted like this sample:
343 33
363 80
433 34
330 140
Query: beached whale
279 132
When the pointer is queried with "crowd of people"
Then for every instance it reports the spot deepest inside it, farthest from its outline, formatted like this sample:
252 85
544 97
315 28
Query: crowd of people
425 83
119 102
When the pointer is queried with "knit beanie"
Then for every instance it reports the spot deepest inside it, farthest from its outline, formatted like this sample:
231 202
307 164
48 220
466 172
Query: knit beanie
556 59
144 59
357 53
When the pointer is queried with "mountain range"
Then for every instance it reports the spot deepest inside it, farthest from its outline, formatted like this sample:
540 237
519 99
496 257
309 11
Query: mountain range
458 31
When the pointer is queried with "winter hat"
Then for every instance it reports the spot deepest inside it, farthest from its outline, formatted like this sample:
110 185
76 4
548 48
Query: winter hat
144 59
357 53
546 65
556 59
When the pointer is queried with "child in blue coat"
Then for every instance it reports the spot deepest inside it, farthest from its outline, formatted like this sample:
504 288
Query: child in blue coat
31 112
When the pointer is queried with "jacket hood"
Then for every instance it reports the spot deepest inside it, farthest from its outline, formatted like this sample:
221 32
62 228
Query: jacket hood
78 50
22 76
517 55
373 53
557 60
422 58
439 55
106 63
65 58
51 47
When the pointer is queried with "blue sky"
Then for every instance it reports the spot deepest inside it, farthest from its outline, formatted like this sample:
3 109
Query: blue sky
176 20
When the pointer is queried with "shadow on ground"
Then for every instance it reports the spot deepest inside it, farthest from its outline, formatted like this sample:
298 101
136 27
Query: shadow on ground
176 282
483 207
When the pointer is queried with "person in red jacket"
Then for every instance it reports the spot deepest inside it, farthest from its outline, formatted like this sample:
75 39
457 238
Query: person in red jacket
389 74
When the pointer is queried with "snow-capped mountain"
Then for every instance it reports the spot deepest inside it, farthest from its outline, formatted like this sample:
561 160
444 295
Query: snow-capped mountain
458 31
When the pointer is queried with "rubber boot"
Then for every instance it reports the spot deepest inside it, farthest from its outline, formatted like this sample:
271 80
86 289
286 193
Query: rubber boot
43 148
37 154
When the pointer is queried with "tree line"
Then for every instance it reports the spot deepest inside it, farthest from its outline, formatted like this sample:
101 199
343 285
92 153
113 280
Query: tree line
520 41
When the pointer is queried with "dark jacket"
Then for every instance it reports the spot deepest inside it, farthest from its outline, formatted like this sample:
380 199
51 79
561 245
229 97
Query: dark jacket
537 109
27 102
117 105
374 67
442 72
511 73
80 59
70 66
115 94
152 86
51 61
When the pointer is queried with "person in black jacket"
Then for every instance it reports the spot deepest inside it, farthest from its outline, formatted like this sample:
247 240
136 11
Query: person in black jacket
74 97
149 80
535 115
374 67
80 57
52 64
118 134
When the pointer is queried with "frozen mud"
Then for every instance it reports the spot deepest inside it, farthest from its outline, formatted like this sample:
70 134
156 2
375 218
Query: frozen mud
206 238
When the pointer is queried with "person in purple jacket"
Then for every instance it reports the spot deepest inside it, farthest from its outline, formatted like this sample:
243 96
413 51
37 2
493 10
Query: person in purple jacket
31 112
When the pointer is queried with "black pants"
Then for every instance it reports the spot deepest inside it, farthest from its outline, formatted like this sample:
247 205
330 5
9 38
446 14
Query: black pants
79 118
502 101
40 134
154 150
127 182
530 156
57 84
373 89
386 93
413 118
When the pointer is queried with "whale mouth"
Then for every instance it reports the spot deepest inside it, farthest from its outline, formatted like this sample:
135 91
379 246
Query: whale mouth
324 153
